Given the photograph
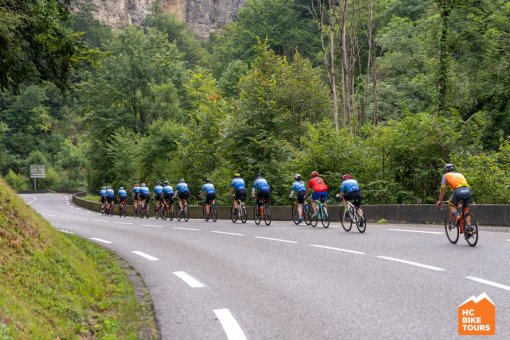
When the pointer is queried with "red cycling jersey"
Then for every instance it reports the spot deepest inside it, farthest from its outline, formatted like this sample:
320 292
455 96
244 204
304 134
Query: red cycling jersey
317 185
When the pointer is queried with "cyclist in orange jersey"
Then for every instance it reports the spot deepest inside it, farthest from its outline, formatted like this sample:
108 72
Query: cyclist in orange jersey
461 190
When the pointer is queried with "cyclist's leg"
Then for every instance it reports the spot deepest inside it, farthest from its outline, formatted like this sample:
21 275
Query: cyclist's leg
452 204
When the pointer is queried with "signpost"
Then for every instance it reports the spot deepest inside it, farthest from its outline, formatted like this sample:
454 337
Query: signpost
37 171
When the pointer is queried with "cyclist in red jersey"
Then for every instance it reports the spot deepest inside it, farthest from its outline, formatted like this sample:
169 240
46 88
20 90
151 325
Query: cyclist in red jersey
320 190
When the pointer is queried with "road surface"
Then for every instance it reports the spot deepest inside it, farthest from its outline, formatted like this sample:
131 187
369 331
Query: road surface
233 281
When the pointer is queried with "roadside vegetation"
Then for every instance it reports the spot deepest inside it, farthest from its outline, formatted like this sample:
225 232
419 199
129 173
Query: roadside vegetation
55 285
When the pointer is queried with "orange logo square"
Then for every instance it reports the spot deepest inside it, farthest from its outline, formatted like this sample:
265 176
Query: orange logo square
477 316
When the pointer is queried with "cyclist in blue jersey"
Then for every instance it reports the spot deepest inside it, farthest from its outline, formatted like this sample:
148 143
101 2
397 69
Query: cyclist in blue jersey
299 187
102 197
110 197
208 189
122 195
349 191
168 193
136 195
157 196
145 196
263 190
182 191
238 185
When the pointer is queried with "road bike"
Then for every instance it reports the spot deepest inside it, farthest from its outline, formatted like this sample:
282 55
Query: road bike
466 224
321 215
158 209
213 215
145 211
166 211
182 213
122 208
108 209
239 213
352 215
262 211
305 214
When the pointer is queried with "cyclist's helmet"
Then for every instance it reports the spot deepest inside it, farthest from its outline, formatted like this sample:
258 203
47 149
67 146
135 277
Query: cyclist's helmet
449 167
207 180
136 185
237 174
315 173
165 183
108 187
346 177
143 185
258 175
158 183
121 188
103 188
181 180
297 177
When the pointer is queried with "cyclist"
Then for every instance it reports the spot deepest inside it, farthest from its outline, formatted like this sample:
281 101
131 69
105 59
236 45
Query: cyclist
182 191
157 195
102 197
168 193
110 197
320 190
264 191
144 196
122 196
136 195
298 186
349 191
208 189
461 190
238 185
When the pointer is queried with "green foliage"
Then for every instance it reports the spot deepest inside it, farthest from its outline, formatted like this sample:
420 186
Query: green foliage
17 181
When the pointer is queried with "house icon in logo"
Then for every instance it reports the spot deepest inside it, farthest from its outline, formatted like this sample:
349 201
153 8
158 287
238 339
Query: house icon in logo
477 316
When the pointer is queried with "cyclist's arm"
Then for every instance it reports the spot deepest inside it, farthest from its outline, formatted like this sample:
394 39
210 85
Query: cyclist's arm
252 192
441 195
291 193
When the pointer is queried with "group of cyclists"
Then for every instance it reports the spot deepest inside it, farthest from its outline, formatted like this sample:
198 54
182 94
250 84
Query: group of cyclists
164 195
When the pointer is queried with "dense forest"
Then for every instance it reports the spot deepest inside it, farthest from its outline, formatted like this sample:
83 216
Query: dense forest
387 90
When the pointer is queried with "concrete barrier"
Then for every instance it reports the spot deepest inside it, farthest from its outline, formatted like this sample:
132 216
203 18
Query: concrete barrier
486 214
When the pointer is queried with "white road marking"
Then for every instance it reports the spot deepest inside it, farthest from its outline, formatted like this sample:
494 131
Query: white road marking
230 325
123 222
153 225
78 208
224 232
72 206
418 231
487 282
54 216
90 212
80 219
411 263
147 256
339 249
100 221
190 280
181 228
100 240
35 198
275 239
66 231
67 203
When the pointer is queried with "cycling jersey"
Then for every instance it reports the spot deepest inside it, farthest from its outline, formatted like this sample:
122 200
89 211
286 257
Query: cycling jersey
168 191
298 186
261 185
144 192
136 191
158 189
102 193
317 185
208 188
349 185
182 188
454 180
238 183
110 194
123 194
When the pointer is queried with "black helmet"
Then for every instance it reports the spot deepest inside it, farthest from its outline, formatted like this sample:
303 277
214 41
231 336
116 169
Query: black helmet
158 183
165 183
297 177
259 175
449 167
181 180
207 180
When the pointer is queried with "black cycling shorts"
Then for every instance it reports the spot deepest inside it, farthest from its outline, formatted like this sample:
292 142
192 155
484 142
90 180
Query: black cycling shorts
241 194
103 199
459 194
183 195
145 197
354 197
158 197
263 196
110 199
301 197
209 198
169 199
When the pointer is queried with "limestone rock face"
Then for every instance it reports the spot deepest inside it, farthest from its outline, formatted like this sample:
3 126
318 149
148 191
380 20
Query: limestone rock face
201 16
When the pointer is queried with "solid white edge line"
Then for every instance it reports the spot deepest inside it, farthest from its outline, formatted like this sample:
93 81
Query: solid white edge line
79 219
275 239
94 220
100 240
229 324
123 222
147 256
224 232
417 231
153 225
411 263
190 280
35 198
181 228
66 231
487 282
339 249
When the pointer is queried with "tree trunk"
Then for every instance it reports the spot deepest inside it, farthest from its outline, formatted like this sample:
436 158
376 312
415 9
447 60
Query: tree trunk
445 8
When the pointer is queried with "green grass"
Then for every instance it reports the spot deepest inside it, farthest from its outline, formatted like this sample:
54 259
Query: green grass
93 198
55 285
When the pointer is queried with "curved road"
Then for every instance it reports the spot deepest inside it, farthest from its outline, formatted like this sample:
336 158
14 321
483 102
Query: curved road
232 281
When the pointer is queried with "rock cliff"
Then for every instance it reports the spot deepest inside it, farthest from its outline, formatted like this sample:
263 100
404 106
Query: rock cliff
201 16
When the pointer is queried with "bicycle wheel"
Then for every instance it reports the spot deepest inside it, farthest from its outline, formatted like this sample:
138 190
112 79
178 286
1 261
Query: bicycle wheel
256 216
325 217
171 213
267 214
307 214
346 224
314 219
233 214
471 232
214 213
123 210
204 214
362 221
186 213
178 213
295 214
452 231
147 212
111 210
244 213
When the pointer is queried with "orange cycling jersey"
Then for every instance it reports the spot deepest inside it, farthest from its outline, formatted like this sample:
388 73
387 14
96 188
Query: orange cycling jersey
454 180
317 185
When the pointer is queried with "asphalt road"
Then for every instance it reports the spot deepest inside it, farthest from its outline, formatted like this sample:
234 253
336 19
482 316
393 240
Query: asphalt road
232 281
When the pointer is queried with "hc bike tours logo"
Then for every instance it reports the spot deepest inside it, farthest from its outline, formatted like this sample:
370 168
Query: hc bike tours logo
477 316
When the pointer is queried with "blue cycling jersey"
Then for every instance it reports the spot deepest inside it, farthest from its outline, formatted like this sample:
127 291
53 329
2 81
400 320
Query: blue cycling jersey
123 193
208 188
144 191
136 190
182 187
102 192
349 185
261 185
158 189
110 193
238 183
168 190
298 186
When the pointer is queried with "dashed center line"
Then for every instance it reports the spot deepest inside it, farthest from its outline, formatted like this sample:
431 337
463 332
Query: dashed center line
275 239
338 249
411 263
65 231
487 282
190 280
153 225
100 221
123 222
181 228
100 240
144 255
229 324
78 208
417 231
79 219
224 232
